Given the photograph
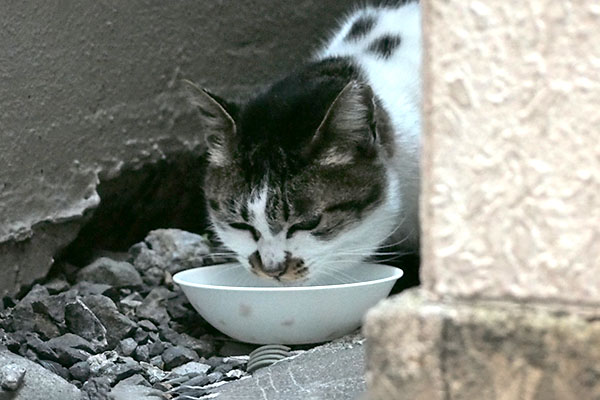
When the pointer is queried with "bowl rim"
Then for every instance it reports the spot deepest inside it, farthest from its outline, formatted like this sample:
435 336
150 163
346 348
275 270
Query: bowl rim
397 274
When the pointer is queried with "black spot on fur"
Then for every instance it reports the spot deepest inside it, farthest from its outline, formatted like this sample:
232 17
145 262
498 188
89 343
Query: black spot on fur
385 45
360 27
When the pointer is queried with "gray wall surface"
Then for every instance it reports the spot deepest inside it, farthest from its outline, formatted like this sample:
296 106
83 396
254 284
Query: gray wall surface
90 89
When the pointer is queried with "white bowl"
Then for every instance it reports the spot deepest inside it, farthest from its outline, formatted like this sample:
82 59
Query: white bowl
254 310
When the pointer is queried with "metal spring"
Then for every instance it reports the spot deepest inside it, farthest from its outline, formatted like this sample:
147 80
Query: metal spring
267 355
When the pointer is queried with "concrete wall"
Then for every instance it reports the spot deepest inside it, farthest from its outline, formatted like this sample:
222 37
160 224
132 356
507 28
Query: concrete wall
508 307
511 204
90 88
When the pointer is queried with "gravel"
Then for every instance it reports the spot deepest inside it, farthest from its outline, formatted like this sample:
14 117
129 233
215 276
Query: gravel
83 322
11 376
114 273
121 329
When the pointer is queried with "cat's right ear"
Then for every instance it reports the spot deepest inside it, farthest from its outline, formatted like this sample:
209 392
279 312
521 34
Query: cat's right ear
219 126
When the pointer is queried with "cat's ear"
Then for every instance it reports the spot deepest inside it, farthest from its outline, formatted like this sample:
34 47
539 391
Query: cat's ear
348 128
218 124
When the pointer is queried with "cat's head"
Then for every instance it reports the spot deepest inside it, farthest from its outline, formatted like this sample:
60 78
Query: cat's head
298 182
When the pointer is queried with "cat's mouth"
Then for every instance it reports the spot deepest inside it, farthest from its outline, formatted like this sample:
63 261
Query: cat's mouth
287 277
292 270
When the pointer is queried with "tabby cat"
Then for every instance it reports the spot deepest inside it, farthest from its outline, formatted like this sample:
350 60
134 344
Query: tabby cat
321 169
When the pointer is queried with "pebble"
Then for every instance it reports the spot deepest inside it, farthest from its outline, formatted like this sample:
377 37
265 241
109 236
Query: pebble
140 336
132 301
172 250
205 346
153 307
127 346
70 349
96 388
81 320
156 348
178 355
80 371
224 368
157 361
235 374
57 285
154 276
199 380
40 347
215 361
53 307
178 306
86 288
147 325
11 376
214 377
114 273
117 325
136 379
192 368
152 373
56 368
189 391
142 353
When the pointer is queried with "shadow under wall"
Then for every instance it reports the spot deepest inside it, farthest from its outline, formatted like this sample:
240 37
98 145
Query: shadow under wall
166 194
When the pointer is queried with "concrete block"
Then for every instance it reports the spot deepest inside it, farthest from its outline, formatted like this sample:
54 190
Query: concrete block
511 157
421 349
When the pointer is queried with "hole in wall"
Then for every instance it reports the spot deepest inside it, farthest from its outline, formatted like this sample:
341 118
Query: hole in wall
165 194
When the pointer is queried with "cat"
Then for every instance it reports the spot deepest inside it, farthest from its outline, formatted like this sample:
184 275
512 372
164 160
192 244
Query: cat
321 169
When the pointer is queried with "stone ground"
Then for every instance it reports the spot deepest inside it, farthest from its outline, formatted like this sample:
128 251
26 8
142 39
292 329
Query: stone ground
334 371
119 328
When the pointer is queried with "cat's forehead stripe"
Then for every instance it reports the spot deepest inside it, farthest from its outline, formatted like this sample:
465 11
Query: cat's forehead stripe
257 209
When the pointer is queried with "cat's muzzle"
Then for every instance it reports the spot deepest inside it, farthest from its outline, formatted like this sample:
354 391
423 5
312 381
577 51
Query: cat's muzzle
291 269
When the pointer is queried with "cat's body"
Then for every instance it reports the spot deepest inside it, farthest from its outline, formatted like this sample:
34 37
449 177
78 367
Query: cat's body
385 43
322 169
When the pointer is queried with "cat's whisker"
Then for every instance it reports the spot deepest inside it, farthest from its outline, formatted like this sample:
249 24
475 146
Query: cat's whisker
335 273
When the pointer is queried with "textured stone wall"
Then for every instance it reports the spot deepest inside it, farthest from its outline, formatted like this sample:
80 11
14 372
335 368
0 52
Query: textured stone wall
511 193
90 88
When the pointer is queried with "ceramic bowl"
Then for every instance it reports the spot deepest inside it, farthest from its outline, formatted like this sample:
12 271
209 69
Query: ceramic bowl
254 310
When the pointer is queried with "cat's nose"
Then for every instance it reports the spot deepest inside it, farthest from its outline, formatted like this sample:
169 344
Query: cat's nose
269 268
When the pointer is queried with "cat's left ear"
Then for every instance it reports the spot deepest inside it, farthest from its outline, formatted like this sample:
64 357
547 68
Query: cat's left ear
218 124
348 129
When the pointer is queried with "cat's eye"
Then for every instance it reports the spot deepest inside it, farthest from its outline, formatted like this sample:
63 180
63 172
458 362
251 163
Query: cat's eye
242 226
307 225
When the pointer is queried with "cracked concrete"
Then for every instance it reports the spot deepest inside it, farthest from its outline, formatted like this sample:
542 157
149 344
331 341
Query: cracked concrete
331 371
92 90
420 348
